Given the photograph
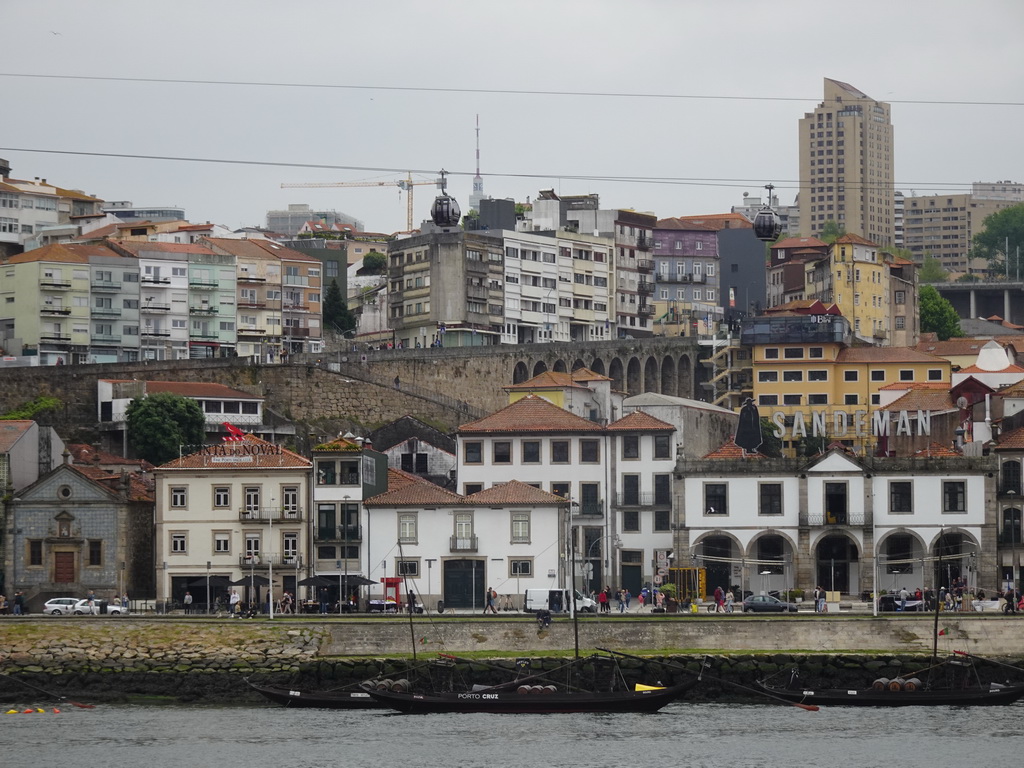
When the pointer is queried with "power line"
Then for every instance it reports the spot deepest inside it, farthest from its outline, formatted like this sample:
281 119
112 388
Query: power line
667 180
498 91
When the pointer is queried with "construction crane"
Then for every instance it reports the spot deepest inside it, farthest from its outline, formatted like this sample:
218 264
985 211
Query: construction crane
405 185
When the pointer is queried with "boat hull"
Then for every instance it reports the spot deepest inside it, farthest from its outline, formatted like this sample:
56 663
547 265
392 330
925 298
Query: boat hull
511 702
964 697
289 697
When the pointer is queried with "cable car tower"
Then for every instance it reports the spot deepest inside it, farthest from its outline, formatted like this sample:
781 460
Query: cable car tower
767 224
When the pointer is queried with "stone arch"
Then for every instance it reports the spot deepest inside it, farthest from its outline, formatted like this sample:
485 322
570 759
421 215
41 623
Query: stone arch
773 551
652 382
598 366
520 373
684 379
837 562
669 384
634 381
953 546
891 548
617 374
577 364
559 366
539 367
719 547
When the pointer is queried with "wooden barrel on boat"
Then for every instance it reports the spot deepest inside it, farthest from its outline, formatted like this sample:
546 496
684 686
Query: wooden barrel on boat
547 689
913 684
881 684
536 689
896 684
522 690
384 685
401 686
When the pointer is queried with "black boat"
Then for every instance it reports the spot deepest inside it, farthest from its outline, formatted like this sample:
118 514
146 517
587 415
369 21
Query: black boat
953 682
534 699
354 698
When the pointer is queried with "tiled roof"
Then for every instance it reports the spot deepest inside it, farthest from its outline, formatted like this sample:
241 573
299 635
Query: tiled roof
885 355
719 220
900 386
639 421
548 380
729 450
1012 440
513 492
404 488
975 369
11 431
1014 390
952 347
922 400
55 252
938 451
87 454
264 248
193 389
530 414
139 247
683 224
800 242
851 239
140 488
249 453
339 445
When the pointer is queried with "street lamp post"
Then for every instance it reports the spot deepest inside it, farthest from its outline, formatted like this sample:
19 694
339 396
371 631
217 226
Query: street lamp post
207 587
343 605
430 567
270 562
616 543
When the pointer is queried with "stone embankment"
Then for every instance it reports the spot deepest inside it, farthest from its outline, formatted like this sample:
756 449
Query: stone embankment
204 660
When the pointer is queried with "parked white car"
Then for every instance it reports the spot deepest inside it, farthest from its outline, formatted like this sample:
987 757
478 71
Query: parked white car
99 608
60 606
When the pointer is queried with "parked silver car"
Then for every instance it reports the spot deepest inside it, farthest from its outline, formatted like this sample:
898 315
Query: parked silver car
99 608
60 606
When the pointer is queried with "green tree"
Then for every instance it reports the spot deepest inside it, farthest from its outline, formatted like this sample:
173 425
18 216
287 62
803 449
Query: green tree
374 263
336 312
771 445
831 231
1002 228
161 425
937 314
931 271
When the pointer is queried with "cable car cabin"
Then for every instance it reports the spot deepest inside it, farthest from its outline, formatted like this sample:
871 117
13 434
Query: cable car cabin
445 211
767 224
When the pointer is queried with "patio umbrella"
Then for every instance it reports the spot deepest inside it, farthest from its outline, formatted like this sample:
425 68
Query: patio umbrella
216 582
357 581
316 581
251 581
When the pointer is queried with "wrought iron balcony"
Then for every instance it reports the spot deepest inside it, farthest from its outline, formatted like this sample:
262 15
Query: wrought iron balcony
645 287
643 499
589 509
263 561
204 285
105 312
646 310
463 544
203 310
51 310
269 514
644 243
830 519
49 284
346 533
105 285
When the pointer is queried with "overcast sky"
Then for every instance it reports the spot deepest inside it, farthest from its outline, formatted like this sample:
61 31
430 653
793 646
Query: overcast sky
416 75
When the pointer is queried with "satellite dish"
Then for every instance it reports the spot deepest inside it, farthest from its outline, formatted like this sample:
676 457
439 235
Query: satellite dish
961 402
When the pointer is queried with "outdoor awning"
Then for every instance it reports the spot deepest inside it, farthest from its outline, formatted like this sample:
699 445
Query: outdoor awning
251 581
216 582
355 580
316 581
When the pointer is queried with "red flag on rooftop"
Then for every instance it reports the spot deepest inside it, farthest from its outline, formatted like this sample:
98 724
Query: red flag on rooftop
234 433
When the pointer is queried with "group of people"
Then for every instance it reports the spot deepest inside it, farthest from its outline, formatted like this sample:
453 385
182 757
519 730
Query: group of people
725 600
12 606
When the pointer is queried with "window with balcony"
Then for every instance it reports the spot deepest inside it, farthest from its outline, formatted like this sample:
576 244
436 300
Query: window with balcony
252 501
836 502
464 538
290 501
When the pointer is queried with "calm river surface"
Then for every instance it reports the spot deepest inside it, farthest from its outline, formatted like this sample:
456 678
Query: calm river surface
698 735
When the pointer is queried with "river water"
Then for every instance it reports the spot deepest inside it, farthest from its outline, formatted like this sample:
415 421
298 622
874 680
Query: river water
683 734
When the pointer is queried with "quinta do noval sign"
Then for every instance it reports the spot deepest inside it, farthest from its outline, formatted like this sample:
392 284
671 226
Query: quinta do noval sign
240 449
837 424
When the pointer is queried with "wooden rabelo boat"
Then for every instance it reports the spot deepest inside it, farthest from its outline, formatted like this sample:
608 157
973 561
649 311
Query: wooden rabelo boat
343 698
954 682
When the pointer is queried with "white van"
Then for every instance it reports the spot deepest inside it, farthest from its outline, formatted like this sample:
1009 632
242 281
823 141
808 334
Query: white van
556 601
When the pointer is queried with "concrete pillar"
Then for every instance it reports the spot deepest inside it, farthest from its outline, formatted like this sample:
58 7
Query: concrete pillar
974 304
1006 305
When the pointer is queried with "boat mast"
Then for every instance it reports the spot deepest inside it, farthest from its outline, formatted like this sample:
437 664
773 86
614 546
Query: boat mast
935 628
411 604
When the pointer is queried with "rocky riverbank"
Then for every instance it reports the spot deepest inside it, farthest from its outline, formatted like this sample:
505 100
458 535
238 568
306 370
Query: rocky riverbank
181 661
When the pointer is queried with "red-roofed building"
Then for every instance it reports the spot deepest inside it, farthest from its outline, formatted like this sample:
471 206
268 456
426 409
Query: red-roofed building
243 508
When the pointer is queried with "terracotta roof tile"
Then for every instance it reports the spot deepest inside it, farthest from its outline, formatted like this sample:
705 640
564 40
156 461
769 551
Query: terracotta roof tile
922 400
11 431
800 242
530 414
405 488
249 453
851 239
547 380
637 421
513 492
1008 369
952 347
729 450
339 445
140 247
938 451
909 385
1012 440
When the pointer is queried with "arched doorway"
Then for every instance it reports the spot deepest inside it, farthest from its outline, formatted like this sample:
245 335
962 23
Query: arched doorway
771 569
684 377
520 373
1009 537
598 366
714 555
539 367
577 364
837 563
559 366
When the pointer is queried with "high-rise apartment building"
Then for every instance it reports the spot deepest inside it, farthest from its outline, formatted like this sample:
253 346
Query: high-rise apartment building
846 165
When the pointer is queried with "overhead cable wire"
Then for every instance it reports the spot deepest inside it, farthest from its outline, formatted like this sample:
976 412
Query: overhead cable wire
497 91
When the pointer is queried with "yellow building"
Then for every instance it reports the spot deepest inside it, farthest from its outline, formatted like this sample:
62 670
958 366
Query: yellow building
811 382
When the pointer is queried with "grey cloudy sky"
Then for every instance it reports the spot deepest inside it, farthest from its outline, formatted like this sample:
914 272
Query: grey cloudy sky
769 57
